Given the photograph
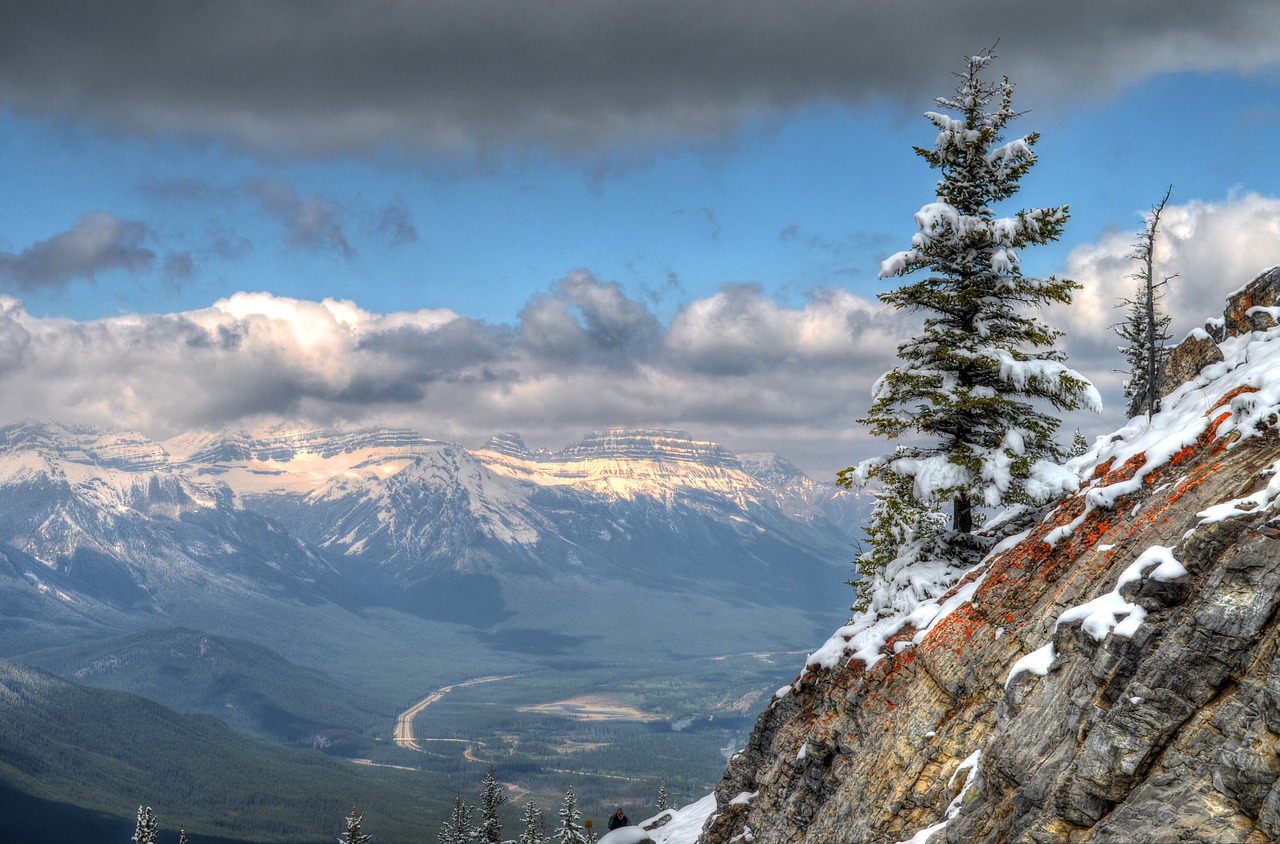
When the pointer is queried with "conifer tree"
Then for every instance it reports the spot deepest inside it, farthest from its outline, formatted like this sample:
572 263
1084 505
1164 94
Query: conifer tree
570 830
457 829
899 526
534 831
490 830
148 828
1145 329
664 801
352 834
973 387
182 836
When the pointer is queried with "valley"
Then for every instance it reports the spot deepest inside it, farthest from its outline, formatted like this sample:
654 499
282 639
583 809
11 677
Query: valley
407 608
404 732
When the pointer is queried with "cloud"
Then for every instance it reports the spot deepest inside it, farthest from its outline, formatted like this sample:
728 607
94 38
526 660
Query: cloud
1214 248
325 77
587 320
702 220
312 221
584 356
396 221
98 242
737 366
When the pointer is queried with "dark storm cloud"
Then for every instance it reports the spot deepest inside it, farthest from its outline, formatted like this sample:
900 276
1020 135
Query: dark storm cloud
467 76
97 243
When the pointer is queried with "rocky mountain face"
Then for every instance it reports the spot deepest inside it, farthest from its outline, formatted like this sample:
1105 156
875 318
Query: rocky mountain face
643 505
1109 673
104 522
91 519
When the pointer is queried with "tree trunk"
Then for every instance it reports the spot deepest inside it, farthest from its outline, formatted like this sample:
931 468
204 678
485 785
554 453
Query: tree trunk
963 514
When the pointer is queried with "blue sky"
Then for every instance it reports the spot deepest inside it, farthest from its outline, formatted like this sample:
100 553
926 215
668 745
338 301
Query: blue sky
570 216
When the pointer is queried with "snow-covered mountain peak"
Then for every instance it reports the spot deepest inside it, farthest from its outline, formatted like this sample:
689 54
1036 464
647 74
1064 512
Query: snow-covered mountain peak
656 444
122 450
298 460
629 463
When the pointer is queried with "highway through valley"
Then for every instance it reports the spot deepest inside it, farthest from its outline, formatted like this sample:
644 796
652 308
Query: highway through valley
404 735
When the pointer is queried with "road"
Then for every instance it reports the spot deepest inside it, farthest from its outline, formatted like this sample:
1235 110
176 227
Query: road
403 734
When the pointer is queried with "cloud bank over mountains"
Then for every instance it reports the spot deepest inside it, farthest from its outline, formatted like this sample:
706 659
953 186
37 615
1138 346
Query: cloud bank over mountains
738 366
466 77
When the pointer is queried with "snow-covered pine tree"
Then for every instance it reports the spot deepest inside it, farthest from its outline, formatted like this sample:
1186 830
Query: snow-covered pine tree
352 834
899 526
1079 444
182 836
972 386
490 830
148 828
534 831
1145 331
664 802
457 828
570 830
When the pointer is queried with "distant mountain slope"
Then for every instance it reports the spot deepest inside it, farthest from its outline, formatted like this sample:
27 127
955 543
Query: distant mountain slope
109 752
638 505
111 522
246 685
235 533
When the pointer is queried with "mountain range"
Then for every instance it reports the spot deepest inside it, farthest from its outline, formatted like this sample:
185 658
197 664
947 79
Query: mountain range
305 585
107 523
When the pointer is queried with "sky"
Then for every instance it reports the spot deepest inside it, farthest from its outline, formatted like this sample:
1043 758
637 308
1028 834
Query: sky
557 216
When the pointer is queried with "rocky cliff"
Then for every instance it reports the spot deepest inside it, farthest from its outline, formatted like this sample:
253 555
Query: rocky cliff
1109 673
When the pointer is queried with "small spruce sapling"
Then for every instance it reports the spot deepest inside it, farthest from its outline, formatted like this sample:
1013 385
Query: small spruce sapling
664 802
352 834
457 829
899 525
570 829
148 828
534 831
490 830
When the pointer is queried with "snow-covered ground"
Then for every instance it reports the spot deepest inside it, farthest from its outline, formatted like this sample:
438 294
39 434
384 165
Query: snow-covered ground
682 826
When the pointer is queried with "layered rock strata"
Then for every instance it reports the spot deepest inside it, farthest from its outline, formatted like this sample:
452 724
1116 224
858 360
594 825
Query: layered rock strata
1109 675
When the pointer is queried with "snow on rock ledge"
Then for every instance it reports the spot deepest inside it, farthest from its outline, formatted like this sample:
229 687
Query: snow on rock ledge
1148 601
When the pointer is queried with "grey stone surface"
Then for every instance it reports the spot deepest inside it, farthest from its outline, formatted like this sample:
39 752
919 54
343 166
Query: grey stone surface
1171 735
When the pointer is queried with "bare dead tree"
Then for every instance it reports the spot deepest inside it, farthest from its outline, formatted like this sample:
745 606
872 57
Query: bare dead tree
1145 330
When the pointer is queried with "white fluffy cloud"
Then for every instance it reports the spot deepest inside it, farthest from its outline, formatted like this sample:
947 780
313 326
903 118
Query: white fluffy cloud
737 366
1213 249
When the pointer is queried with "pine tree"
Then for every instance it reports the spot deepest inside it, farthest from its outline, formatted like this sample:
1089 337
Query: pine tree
1079 444
534 827
352 834
148 827
570 830
490 830
664 802
182 836
971 385
1145 329
899 525
457 829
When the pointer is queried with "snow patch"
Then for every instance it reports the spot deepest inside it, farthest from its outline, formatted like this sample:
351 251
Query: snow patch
1108 613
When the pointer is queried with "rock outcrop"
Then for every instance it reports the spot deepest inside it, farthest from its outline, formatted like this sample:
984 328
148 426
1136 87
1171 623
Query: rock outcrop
1110 674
